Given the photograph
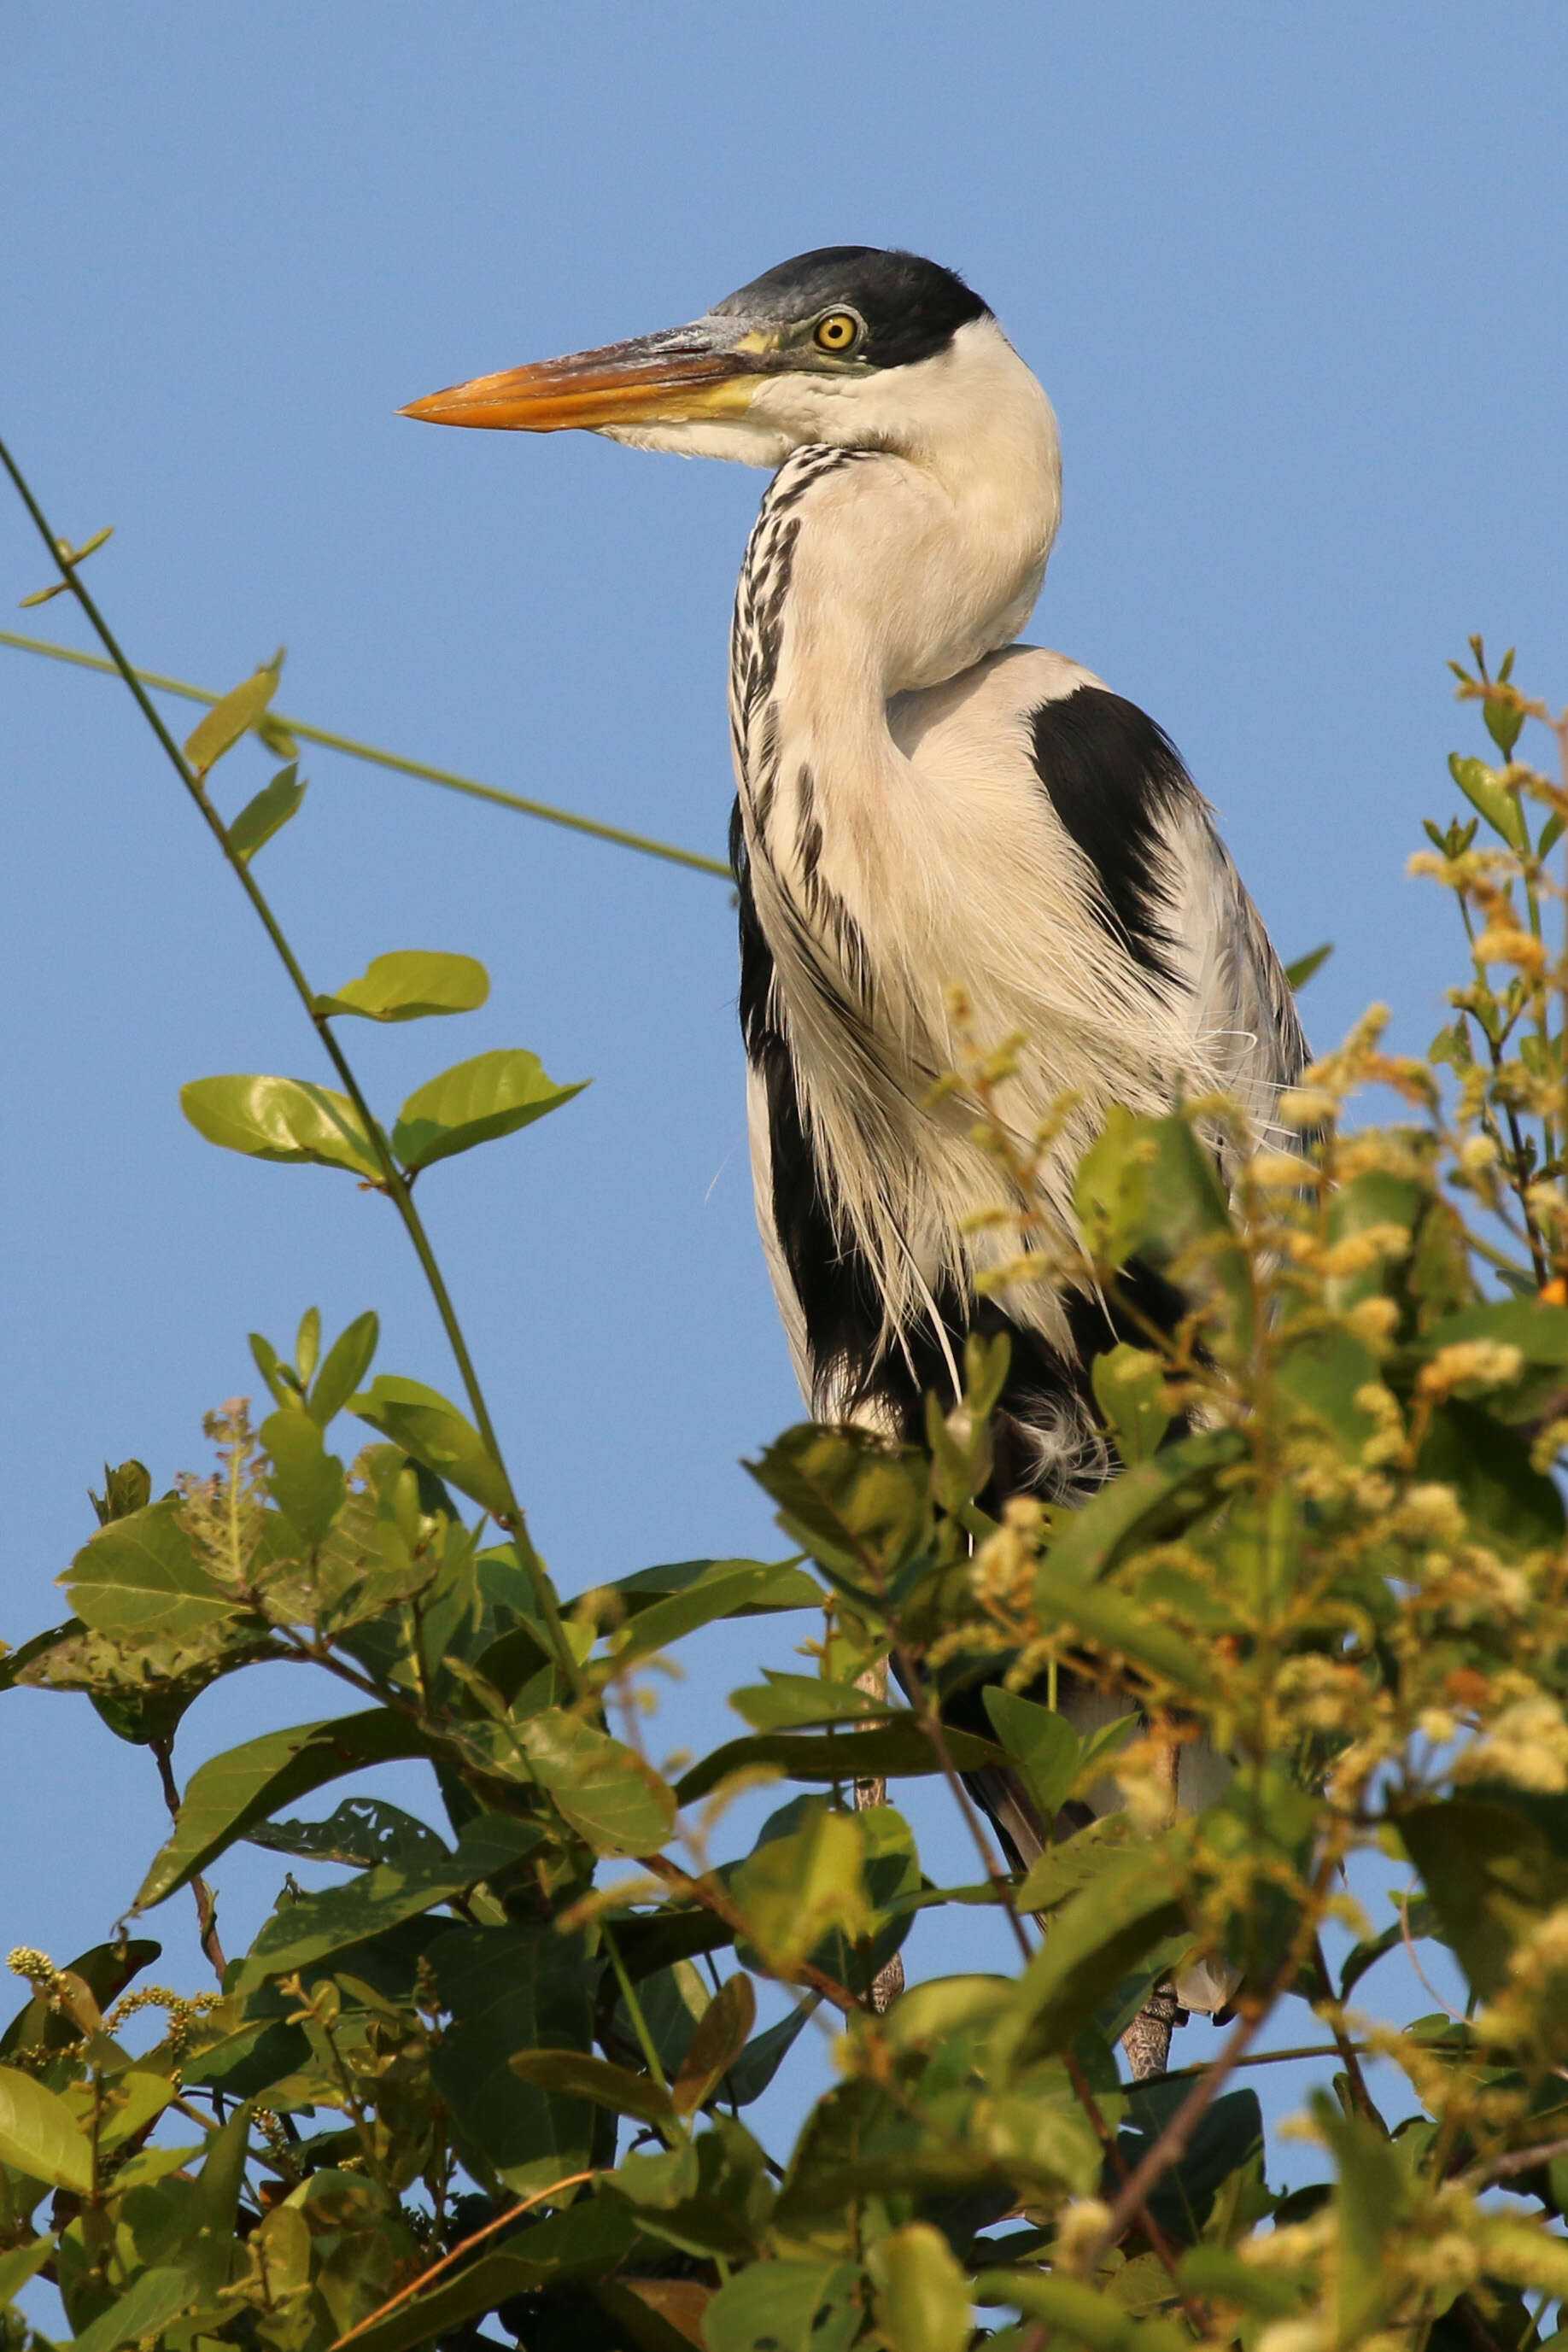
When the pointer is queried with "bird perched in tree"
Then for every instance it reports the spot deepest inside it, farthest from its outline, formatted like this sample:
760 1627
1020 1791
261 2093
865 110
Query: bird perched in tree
926 807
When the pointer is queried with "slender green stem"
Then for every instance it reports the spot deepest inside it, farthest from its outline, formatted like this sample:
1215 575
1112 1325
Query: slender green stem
393 1180
376 758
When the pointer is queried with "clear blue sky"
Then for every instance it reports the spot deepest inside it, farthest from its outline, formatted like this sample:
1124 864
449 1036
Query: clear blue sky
1294 279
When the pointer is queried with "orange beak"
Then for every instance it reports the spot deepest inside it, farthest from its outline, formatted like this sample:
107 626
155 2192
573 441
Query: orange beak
663 379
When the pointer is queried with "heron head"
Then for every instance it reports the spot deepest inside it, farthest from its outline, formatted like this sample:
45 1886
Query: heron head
848 346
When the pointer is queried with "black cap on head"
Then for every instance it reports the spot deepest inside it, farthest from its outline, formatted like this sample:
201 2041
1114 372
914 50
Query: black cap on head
911 308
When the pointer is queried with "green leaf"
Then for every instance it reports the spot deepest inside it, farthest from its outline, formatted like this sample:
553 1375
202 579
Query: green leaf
775 2307
859 1508
20 2264
786 1702
760 2059
267 813
228 1795
234 716
1499 808
144 2310
1094 1940
897 1750
361 1832
106 1970
1492 1871
1373 2200
1080 2315
577 2076
1130 1390
139 1576
610 1797
793 1890
512 1988
306 1482
434 1432
312 1927
718 2041
410 984
1305 967
1148 1503
39 2135
14 1663
1118 1624
922 2295
348 1360
1043 1746
1064 1869
1504 722
474 1102
282 1119
730 1587
787 1585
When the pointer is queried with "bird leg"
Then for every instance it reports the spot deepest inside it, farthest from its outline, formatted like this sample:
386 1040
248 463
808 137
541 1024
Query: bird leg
889 1981
1147 2040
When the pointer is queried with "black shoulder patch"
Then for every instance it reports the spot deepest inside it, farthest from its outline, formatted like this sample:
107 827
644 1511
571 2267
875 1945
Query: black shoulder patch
1111 774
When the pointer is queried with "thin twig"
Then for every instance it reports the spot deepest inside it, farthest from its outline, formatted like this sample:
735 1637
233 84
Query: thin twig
393 1183
370 752
466 2245
1518 2159
207 1905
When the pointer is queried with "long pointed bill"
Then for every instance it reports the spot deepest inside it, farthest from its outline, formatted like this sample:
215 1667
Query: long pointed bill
663 379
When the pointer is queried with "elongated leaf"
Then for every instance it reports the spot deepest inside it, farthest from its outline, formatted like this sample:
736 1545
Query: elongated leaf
348 1360
1492 1870
788 1586
139 1575
228 1796
306 1482
760 2059
474 1102
721 2037
1303 968
314 1926
21 2264
1043 1746
1080 2315
361 1832
922 2295
577 2076
39 2135
1481 788
281 1118
1118 1624
234 716
860 1508
411 983
267 813
512 1988
1130 1390
775 2307
615 1800
145 2308
788 1702
1148 1503
422 1423
1094 1939
898 1751
732 1588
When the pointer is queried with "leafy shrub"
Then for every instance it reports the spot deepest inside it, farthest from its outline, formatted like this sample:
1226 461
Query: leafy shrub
481 2079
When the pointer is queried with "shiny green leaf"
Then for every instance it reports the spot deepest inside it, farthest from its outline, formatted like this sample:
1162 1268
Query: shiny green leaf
730 1587
577 2076
287 1119
512 1988
721 2037
1304 968
785 1585
474 1102
777 2306
39 2135
139 1576
610 1797
227 1796
143 2312
1130 1390
1500 807
1093 1941
305 1481
267 813
897 1750
1148 1503
1118 1624
20 2264
922 2295
361 1831
410 984
434 1432
234 716
1042 1744
348 1360
787 1702
314 1926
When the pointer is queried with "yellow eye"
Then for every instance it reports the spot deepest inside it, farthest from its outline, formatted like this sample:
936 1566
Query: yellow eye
839 331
